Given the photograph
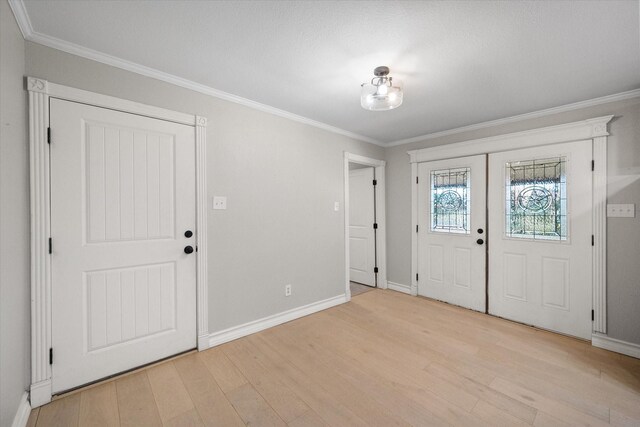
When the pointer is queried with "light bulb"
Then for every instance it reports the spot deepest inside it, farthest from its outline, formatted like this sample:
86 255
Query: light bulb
383 89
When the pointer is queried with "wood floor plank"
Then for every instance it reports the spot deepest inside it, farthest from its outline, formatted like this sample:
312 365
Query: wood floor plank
99 406
169 391
223 370
416 390
497 417
327 406
136 403
387 392
308 419
545 420
210 402
384 359
340 386
33 417
252 407
486 395
542 403
61 412
186 419
287 404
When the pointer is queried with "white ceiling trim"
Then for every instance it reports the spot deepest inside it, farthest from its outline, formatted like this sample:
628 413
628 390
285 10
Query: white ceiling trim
22 18
20 12
549 111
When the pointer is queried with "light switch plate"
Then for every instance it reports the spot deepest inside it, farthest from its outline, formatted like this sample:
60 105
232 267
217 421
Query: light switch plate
621 210
219 202
336 206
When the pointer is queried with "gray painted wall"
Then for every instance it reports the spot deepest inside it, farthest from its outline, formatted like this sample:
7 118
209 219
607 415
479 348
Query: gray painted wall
623 247
14 220
281 179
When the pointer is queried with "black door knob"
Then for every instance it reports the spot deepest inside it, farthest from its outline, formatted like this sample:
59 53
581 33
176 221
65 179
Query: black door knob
479 241
188 249
480 231
188 233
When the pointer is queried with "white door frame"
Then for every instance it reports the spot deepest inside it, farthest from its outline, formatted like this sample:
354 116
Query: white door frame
381 236
40 91
594 129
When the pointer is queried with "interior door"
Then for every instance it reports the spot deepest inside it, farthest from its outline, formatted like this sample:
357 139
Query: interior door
122 201
451 231
362 256
540 235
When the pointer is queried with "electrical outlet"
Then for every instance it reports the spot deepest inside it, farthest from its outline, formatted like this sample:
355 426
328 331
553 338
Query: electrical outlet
287 291
219 202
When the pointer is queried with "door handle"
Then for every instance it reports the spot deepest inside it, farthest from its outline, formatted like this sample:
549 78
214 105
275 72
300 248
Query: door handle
188 249
188 233
480 231
479 241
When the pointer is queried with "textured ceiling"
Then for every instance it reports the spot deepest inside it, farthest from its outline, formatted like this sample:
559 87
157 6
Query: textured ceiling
461 62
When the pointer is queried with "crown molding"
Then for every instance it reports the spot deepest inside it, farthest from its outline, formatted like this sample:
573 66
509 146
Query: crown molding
541 113
24 23
20 12
22 18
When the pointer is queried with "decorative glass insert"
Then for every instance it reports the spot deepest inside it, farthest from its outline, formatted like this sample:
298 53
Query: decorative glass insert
536 205
450 191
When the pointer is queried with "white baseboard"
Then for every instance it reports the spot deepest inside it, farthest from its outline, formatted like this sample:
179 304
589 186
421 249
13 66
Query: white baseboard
399 287
619 346
23 412
240 331
40 393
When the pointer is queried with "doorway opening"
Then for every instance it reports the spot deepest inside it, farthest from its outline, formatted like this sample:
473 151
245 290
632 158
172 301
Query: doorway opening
365 254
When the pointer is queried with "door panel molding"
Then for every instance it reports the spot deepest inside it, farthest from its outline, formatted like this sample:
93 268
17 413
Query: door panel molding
594 129
380 201
40 91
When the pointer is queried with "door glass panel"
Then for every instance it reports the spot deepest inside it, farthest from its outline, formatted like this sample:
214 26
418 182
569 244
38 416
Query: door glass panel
536 199
450 203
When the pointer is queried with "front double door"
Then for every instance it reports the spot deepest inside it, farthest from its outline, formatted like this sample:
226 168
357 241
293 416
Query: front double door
520 218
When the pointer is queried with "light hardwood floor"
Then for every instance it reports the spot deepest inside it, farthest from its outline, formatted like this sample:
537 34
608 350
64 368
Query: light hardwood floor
359 288
384 359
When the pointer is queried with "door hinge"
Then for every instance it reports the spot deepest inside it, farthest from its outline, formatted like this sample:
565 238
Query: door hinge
416 277
51 356
593 240
375 269
593 165
416 179
375 182
417 228
50 245
375 225
49 135
593 315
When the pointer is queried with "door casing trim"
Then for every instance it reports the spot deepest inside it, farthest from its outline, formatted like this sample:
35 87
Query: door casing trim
40 91
591 129
381 237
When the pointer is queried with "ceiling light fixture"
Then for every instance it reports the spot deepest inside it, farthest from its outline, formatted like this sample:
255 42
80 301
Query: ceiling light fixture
382 93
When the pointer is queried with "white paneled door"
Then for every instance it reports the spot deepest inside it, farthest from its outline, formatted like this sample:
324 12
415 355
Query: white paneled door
362 256
451 231
122 223
540 237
